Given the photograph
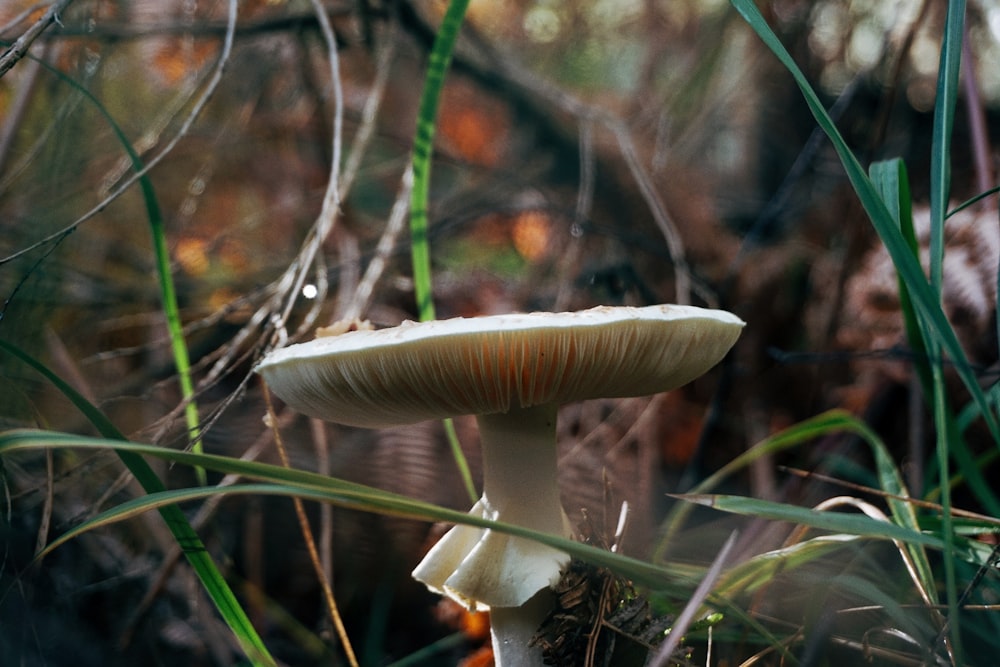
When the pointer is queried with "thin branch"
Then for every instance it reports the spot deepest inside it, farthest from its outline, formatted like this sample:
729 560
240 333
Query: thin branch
511 70
675 244
196 110
204 29
310 541
397 221
20 47
331 199
17 110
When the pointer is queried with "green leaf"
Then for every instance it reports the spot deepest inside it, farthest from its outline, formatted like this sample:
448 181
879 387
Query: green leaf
944 120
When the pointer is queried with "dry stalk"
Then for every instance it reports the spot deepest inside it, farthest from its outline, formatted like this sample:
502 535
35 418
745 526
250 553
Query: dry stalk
307 535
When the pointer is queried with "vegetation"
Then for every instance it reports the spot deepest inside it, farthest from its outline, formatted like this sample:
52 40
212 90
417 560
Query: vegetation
184 188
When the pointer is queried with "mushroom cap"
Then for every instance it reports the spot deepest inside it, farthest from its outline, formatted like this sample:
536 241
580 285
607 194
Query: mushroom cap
483 365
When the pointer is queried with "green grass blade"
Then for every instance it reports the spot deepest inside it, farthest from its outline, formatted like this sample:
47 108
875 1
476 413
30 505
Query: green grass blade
834 421
423 149
903 513
760 570
835 522
168 293
944 119
971 201
459 457
940 186
279 480
890 179
925 299
212 580
677 580
805 431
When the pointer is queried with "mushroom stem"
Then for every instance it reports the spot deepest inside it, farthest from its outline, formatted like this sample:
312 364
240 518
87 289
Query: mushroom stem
519 483
512 628
519 468
482 568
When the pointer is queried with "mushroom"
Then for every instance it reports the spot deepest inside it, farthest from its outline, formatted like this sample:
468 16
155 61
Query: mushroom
512 372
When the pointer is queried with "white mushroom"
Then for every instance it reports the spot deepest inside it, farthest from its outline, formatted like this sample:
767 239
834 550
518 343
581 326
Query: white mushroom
512 372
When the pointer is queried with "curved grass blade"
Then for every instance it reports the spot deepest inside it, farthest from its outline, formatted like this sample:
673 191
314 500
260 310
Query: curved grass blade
279 480
212 580
761 569
890 479
971 201
168 293
423 148
677 580
805 431
836 522
925 300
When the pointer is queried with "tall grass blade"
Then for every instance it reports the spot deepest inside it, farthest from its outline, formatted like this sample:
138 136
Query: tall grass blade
168 293
423 149
940 187
944 119
891 181
925 299
214 583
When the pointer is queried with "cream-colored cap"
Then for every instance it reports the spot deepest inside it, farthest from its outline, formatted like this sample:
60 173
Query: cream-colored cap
483 365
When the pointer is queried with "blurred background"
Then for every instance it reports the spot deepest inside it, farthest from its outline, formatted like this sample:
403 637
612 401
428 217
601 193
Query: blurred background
600 152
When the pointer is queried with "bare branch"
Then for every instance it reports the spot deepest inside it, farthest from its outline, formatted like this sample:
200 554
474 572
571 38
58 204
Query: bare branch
196 110
20 47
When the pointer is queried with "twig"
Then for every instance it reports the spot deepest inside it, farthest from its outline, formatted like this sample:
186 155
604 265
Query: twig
675 244
331 199
980 138
584 205
264 317
121 31
517 75
397 221
916 502
18 107
20 47
683 621
196 110
307 535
